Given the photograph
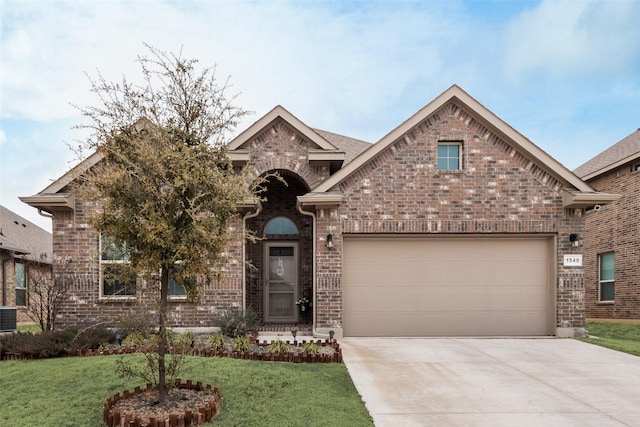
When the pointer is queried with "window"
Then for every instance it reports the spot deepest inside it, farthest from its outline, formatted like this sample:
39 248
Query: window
636 167
449 155
117 279
176 290
21 285
606 277
280 225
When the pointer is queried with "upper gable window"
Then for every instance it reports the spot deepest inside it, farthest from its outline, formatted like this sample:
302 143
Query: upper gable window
280 225
449 155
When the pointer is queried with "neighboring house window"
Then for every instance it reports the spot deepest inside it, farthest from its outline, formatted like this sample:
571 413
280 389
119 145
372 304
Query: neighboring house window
117 279
606 278
449 155
21 285
280 225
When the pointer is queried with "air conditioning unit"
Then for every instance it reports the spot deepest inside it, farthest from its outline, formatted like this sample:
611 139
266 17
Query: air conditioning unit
7 319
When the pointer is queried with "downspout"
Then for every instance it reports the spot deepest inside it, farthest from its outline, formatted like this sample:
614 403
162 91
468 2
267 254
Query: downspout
313 326
244 254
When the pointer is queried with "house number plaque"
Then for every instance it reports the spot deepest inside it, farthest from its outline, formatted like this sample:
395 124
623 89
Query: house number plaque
573 260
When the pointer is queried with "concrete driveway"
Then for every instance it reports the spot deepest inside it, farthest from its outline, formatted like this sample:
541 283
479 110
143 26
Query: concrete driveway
493 382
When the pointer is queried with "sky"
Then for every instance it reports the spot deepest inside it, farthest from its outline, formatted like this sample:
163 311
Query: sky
565 74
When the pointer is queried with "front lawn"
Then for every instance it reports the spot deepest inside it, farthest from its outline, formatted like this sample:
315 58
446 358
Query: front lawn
70 392
615 335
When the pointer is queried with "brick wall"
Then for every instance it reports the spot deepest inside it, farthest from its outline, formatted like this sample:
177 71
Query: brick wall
498 191
76 254
615 229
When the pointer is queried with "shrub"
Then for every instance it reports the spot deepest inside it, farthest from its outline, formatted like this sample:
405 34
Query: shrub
279 346
131 322
134 339
241 344
63 342
234 323
216 342
311 347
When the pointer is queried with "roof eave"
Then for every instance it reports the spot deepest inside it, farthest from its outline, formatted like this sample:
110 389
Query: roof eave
50 202
587 200
315 201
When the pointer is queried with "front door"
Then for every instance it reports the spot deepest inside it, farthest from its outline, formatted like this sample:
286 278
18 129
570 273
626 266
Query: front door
281 282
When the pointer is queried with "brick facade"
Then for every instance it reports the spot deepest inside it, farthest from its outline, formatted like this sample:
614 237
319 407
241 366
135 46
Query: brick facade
76 252
500 190
614 228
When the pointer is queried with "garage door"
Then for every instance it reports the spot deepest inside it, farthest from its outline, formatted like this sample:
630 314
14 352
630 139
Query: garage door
447 286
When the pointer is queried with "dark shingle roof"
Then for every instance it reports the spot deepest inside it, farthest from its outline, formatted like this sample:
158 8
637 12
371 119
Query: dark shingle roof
627 149
351 146
23 237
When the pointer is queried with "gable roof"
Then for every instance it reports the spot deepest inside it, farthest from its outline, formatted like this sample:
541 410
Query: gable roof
481 113
324 151
280 112
23 237
624 151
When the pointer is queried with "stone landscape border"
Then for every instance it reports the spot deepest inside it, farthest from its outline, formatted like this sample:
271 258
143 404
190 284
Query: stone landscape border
204 413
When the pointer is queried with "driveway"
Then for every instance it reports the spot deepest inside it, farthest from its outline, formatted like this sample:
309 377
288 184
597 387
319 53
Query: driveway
493 382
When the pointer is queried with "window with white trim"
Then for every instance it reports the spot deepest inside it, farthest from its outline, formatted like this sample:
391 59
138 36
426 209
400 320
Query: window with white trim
606 281
449 155
117 278
21 285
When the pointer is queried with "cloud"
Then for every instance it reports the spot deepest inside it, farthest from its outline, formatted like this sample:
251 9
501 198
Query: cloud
575 39
3 137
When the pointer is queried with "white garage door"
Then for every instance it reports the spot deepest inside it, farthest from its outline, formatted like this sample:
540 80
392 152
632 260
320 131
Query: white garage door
447 286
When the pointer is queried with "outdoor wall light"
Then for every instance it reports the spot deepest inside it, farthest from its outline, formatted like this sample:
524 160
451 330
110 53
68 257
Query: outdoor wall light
329 241
574 239
294 332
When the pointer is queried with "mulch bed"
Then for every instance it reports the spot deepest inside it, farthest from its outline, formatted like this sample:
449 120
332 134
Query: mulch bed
187 404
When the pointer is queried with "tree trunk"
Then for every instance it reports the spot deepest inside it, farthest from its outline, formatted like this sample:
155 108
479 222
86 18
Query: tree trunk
162 334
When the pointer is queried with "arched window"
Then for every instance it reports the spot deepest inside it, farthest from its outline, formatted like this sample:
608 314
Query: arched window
280 225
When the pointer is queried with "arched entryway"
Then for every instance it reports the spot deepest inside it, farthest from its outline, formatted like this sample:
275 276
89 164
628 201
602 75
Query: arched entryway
279 264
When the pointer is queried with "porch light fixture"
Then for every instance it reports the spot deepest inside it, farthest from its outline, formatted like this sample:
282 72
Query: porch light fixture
329 241
331 333
574 239
294 332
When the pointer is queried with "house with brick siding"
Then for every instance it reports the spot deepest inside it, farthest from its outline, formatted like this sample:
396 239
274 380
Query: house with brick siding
25 256
612 240
453 224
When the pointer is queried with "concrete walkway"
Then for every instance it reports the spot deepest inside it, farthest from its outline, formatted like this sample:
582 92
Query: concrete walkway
494 382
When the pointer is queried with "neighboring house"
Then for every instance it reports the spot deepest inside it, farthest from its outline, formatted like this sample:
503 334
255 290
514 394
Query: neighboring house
612 244
453 224
26 255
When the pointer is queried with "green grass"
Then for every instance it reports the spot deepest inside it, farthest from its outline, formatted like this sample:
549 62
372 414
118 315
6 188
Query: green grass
619 336
71 391
29 327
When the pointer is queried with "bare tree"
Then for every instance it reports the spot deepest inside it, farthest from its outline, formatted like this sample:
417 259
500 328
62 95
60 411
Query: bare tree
47 292
165 187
